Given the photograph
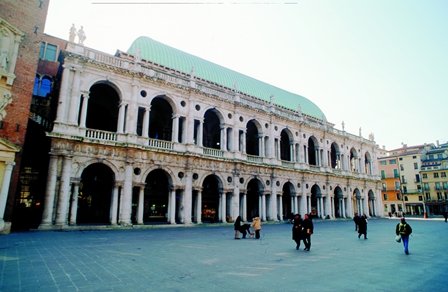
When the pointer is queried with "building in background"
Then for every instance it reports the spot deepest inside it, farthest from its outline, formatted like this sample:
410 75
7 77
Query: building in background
390 185
157 135
22 25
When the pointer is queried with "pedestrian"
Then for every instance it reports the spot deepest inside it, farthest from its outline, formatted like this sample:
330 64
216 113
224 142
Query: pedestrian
362 226
237 227
256 224
308 229
445 215
390 215
356 219
297 230
404 230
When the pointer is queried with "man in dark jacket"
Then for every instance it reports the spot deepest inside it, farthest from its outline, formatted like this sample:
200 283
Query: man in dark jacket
297 230
308 229
404 230
362 226
356 219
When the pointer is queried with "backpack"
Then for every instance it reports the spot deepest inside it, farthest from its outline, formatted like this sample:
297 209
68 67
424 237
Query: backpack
402 229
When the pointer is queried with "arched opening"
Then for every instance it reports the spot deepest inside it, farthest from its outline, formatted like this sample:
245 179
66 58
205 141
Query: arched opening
288 200
252 144
95 192
156 196
160 122
210 199
356 198
285 148
367 163
338 202
312 158
372 208
334 156
211 130
353 160
254 189
102 99
316 195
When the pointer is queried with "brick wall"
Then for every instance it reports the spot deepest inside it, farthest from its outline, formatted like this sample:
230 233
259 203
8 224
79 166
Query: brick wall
28 16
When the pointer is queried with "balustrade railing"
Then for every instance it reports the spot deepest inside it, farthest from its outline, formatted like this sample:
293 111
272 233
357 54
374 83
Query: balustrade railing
101 135
213 152
161 144
256 159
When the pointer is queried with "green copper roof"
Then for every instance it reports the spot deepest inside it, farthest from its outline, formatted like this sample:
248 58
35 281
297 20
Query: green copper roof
170 57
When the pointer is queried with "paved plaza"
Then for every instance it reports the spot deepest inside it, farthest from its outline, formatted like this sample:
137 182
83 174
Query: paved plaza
207 258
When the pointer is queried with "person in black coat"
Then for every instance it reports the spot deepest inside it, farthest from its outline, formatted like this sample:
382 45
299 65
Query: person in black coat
237 227
245 229
297 230
362 226
356 219
308 229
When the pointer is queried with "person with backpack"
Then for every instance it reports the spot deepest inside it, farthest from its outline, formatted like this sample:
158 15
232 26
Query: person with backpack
404 230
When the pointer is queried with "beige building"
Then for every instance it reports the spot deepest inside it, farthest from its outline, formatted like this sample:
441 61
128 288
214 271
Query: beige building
157 135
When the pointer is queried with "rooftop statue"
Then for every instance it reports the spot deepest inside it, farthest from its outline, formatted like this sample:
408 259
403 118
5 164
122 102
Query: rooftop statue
72 33
81 36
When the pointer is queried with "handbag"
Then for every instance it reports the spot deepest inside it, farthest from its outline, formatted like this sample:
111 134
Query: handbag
398 238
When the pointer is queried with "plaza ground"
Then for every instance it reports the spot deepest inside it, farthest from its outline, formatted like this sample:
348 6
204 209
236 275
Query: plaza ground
208 258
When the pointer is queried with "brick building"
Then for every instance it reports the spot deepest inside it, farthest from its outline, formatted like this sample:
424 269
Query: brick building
21 30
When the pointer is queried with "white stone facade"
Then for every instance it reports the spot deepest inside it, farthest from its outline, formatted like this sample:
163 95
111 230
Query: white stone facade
298 164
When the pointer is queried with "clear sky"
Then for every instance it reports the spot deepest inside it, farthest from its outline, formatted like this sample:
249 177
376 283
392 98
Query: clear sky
381 66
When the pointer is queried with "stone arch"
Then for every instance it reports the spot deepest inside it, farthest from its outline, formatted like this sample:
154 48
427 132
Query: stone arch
160 119
335 156
356 199
313 151
158 185
95 194
254 189
286 139
288 200
85 164
339 202
371 204
354 159
104 99
253 133
211 135
211 198
316 195
368 163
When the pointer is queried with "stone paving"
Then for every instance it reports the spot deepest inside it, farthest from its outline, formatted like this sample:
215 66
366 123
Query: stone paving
207 258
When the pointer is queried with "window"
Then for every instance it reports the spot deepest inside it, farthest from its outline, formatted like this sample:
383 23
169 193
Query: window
397 185
439 196
384 186
443 174
393 161
420 198
431 157
406 198
42 87
445 185
48 51
436 174
385 197
426 186
425 175
438 186
446 195
405 190
415 165
401 158
384 162
385 208
440 156
396 173
428 196
383 174
401 167
419 187
398 196
417 178
414 157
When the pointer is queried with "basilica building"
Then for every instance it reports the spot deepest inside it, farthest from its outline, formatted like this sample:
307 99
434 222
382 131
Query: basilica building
156 135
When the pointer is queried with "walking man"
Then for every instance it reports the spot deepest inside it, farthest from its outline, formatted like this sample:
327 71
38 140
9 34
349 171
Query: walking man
404 230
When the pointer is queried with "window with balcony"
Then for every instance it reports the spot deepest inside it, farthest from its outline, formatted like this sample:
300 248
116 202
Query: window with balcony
48 51
426 186
440 156
431 157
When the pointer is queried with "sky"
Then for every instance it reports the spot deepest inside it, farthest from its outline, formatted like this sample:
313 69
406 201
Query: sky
379 66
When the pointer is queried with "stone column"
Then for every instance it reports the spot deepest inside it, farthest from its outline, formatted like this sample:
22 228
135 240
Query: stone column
4 191
74 203
199 207
121 116
172 205
291 151
188 198
222 206
47 216
126 202
63 95
263 206
244 207
200 135
187 203
260 146
280 206
243 140
141 203
64 192
146 122
114 205
85 102
131 125
74 99
175 136
223 138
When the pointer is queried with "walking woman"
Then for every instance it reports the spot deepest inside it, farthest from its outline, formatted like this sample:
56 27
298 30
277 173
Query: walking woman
297 230
308 229
237 226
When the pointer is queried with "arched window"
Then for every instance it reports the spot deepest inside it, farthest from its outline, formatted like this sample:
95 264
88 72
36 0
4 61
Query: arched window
42 87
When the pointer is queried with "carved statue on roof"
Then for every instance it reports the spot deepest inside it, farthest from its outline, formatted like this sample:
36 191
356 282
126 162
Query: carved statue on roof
81 36
360 132
235 87
137 55
72 34
343 126
192 72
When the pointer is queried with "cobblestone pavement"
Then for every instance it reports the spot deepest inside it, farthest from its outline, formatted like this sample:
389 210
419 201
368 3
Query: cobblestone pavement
208 258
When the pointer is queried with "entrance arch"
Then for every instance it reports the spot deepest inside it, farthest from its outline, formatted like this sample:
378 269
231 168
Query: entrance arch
210 199
316 202
254 189
288 200
103 99
339 207
156 196
95 192
161 121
